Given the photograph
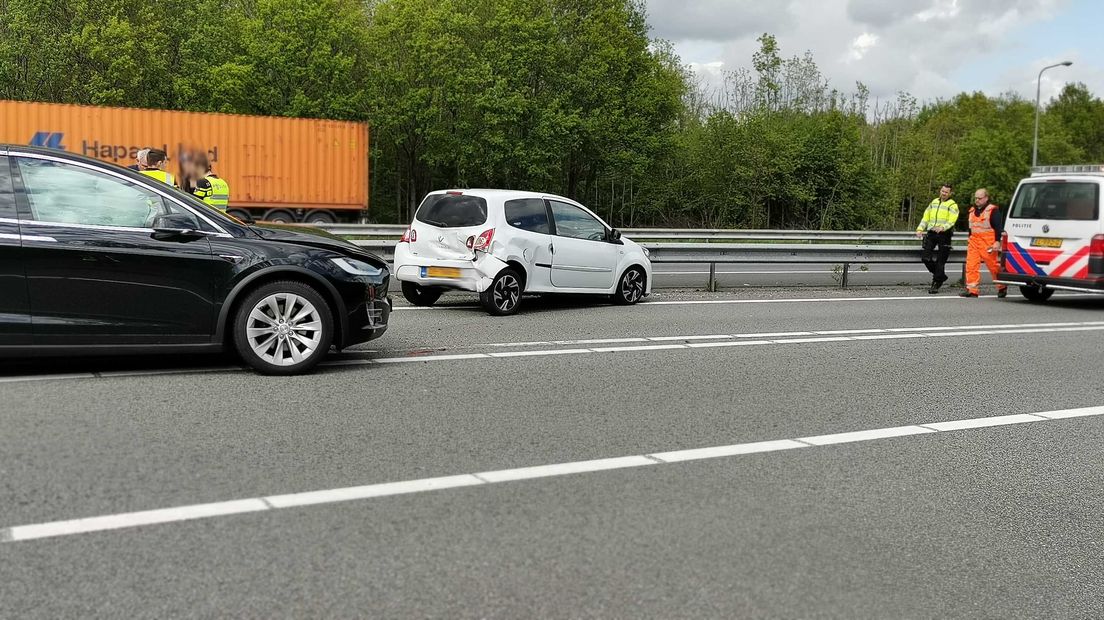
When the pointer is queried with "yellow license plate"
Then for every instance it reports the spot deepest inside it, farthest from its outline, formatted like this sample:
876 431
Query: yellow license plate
442 272
1043 242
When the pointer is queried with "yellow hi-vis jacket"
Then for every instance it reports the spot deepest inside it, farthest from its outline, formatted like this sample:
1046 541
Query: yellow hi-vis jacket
214 191
160 175
938 213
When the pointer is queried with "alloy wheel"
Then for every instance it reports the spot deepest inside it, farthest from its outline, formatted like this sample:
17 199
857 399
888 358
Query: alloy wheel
507 292
284 329
632 286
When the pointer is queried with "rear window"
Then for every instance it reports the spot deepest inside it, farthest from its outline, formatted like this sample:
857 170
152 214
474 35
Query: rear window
1057 201
452 211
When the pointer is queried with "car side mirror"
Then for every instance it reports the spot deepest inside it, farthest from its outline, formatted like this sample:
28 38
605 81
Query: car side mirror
175 225
614 236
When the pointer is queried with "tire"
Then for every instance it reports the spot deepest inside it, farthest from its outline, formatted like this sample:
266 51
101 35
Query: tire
280 216
263 316
320 218
631 287
240 214
1036 294
503 296
420 295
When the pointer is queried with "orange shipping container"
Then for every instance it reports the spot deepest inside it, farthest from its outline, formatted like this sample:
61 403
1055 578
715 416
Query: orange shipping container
271 163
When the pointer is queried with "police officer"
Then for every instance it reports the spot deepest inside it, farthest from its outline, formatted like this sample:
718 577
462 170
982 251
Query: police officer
209 187
986 226
936 229
154 167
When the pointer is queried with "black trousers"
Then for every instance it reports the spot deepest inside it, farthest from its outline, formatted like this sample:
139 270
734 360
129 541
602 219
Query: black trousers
937 249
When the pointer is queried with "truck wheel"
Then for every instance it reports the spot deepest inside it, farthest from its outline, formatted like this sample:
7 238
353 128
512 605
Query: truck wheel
1036 294
320 218
420 295
280 216
503 296
283 328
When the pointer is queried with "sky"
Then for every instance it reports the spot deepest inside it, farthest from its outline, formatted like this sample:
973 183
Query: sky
929 48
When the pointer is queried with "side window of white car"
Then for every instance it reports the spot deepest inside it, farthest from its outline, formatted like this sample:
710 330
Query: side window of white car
571 221
65 194
528 214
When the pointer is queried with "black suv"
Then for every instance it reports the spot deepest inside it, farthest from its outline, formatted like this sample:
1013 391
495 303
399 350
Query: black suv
95 259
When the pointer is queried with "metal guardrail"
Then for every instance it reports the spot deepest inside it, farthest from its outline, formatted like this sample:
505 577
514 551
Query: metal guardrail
713 254
394 231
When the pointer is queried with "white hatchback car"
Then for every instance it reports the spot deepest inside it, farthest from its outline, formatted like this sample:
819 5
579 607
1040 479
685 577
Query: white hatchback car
502 243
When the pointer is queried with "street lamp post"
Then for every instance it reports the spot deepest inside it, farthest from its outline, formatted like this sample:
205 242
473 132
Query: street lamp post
1038 98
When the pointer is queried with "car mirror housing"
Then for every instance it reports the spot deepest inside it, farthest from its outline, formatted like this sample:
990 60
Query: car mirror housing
176 225
614 236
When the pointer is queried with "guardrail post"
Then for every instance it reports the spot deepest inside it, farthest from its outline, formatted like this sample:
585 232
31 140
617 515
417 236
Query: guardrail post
712 277
843 275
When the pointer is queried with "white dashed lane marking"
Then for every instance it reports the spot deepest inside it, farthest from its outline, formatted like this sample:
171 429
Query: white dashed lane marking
373 491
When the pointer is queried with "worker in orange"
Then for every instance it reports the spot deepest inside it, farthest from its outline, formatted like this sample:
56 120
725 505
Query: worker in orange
986 227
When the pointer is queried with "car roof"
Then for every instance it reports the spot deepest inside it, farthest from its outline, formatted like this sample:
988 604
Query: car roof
501 194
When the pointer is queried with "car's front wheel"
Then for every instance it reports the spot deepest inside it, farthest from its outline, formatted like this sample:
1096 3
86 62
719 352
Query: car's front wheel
503 296
631 286
283 328
420 295
1036 294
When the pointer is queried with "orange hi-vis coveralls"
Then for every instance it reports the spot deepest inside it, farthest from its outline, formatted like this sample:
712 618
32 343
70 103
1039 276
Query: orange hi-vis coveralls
983 246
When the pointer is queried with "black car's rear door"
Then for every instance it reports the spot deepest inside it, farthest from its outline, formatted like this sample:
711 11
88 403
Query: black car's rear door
97 274
15 317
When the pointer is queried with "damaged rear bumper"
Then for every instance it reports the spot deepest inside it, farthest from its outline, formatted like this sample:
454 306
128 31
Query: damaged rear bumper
475 274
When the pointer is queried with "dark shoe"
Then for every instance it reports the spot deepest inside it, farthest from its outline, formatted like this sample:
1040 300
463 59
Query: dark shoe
968 294
1002 293
934 287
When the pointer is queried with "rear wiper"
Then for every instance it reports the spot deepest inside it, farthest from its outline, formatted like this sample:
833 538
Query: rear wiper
437 224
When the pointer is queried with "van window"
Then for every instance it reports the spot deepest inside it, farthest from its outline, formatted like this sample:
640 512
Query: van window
452 211
1057 201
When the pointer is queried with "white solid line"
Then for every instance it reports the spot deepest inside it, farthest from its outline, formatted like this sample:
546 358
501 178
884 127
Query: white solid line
669 338
385 489
539 353
887 336
1072 413
773 335
698 454
969 333
133 519
958 425
276 502
728 343
806 300
817 339
600 341
878 433
431 358
562 469
845 332
651 347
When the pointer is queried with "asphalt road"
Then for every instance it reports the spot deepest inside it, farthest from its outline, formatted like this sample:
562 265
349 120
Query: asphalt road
939 520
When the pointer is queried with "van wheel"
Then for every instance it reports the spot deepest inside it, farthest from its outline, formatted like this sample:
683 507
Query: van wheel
283 328
503 296
420 295
1036 294
631 286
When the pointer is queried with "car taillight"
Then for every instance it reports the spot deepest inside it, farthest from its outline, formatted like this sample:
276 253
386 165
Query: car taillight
410 236
470 242
483 241
1004 242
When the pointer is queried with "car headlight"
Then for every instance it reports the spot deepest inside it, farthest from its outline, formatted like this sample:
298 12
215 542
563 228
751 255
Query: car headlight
356 267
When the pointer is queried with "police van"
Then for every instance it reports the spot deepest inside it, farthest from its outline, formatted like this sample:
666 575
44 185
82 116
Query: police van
1053 235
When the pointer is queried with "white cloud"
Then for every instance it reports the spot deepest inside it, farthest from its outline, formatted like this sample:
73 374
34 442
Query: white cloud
889 45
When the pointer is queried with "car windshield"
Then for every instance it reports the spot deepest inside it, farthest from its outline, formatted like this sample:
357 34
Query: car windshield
452 211
1057 201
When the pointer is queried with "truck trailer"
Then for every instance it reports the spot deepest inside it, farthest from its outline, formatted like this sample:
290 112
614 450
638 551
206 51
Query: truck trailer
279 169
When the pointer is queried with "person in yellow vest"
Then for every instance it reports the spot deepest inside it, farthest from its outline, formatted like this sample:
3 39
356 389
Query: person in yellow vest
210 187
154 167
986 226
936 229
